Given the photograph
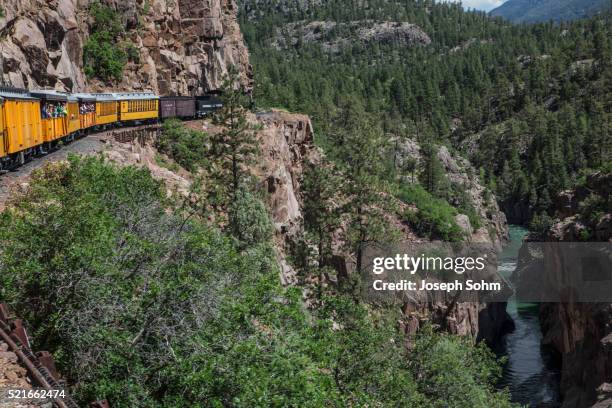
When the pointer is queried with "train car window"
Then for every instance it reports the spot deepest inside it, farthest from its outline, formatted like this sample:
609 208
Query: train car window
53 109
87 107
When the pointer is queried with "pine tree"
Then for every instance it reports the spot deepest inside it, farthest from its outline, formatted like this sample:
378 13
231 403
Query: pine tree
363 155
234 147
432 173
322 217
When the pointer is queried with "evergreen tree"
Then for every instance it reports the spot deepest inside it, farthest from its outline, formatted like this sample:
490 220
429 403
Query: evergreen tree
432 173
363 155
234 147
322 217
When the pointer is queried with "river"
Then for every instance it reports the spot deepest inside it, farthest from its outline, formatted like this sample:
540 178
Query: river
531 372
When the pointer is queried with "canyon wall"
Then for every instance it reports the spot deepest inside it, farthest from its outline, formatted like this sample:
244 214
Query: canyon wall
580 332
184 47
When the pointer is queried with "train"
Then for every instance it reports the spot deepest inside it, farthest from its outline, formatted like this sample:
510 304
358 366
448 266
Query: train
34 122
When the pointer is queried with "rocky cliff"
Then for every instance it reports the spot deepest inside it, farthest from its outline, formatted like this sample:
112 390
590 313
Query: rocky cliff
184 46
580 332
461 175
334 37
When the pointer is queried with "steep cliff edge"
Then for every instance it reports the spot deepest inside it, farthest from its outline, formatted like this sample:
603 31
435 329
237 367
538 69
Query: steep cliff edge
184 47
580 332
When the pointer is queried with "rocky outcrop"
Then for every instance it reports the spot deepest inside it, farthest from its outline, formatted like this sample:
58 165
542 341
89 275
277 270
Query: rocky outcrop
482 321
287 146
580 332
334 37
11 373
256 9
460 173
184 47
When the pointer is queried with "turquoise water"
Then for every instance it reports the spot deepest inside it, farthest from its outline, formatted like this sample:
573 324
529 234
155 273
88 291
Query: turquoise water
531 373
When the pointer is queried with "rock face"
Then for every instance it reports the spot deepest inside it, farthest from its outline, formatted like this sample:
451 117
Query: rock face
326 34
460 173
287 145
256 9
580 332
185 46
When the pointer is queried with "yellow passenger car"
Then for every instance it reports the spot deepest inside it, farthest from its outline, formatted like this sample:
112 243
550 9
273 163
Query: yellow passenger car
54 114
87 110
106 109
138 106
74 122
20 126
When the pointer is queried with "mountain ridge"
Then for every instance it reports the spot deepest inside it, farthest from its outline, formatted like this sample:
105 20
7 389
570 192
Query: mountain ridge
534 11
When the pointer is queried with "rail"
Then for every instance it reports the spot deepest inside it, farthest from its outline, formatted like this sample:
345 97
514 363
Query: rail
40 366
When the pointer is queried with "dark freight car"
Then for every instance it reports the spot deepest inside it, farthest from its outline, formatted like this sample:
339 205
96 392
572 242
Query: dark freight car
177 107
167 108
185 106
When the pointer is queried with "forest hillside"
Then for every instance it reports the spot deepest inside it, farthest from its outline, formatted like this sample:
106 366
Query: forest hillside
529 106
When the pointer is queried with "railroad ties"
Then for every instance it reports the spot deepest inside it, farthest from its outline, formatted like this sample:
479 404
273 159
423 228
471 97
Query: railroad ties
40 366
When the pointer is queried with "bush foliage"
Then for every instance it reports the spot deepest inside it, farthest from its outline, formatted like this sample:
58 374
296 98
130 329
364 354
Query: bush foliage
433 218
104 56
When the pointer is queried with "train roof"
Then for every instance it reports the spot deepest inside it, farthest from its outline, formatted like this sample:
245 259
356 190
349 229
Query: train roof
183 98
104 97
49 95
8 92
129 96
85 97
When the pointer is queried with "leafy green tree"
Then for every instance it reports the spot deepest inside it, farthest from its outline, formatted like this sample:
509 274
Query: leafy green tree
453 373
249 219
188 147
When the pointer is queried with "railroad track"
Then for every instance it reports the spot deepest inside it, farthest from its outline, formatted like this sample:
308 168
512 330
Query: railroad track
40 366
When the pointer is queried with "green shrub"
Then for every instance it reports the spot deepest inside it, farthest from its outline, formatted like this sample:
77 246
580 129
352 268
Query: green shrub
132 53
186 146
541 223
103 55
434 217
249 219
453 372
